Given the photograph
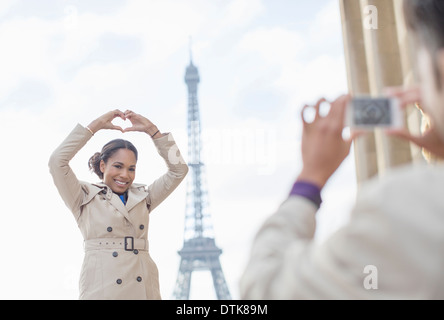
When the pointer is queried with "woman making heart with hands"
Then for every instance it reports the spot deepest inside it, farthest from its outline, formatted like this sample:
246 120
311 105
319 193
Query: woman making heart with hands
113 215
139 123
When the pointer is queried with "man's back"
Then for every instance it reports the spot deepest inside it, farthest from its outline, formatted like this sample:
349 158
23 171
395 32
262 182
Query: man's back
391 249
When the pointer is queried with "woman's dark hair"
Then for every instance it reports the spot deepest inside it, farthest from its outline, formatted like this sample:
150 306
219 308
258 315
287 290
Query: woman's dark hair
426 19
107 151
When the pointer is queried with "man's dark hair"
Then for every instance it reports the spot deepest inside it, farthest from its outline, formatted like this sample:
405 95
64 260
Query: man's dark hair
426 19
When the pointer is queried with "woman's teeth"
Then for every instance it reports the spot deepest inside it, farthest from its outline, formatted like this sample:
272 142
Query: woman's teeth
121 183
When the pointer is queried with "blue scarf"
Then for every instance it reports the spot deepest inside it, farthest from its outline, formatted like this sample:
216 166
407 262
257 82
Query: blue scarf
123 197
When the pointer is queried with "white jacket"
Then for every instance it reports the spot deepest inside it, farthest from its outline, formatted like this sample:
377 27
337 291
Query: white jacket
392 247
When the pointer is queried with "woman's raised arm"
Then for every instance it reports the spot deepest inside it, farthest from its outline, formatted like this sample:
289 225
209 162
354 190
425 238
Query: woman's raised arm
65 180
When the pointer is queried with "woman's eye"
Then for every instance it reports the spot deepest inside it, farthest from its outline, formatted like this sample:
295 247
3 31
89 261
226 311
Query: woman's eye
132 169
117 166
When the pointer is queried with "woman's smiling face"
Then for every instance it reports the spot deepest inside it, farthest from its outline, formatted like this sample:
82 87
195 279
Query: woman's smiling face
119 171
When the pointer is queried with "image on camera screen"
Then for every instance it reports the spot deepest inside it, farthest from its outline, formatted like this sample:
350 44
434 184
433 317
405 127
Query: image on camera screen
372 112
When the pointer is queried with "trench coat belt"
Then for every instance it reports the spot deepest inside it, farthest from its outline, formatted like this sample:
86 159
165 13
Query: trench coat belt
126 243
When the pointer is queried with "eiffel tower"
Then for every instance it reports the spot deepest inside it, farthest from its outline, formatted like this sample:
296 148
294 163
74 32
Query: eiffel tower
199 250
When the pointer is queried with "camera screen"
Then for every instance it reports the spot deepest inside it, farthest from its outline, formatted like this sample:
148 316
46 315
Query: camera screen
372 112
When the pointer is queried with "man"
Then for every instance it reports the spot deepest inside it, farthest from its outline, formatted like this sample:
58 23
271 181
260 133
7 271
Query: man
393 245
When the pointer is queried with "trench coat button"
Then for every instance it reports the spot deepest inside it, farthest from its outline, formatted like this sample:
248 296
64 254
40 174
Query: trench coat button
115 254
141 227
109 229
136 251
139 279
119 281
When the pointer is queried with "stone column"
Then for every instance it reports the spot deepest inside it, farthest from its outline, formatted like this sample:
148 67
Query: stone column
358 83
385 70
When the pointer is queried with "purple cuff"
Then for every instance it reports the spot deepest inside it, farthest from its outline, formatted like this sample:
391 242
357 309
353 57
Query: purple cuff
307 190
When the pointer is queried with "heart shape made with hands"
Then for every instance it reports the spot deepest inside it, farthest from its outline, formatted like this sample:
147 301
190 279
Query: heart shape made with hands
122 123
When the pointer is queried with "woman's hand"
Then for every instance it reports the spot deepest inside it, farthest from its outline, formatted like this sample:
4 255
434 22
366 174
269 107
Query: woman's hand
105 121
141 124
430 140
323 146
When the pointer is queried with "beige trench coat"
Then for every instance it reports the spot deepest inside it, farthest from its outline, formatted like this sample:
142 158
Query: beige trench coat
117 263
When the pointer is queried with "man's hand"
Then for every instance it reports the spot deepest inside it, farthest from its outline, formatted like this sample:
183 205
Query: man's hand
430 140
323 146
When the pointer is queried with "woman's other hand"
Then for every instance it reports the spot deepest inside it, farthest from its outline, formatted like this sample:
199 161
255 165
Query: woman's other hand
141 124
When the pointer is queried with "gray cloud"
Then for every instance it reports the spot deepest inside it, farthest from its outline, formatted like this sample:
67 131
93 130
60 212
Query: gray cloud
108 49
115 48
31 94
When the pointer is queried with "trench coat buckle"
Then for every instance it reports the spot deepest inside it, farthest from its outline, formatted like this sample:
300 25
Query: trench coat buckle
126 244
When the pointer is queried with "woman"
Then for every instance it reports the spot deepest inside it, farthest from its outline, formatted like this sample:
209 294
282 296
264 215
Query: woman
113 215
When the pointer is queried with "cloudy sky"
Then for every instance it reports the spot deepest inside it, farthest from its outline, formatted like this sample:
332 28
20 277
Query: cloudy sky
64 62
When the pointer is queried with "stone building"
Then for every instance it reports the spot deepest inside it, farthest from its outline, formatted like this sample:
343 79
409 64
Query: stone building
379 53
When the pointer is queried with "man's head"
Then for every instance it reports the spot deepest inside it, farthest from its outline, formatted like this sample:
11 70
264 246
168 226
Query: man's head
425 19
